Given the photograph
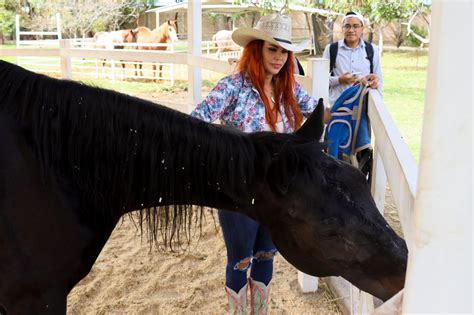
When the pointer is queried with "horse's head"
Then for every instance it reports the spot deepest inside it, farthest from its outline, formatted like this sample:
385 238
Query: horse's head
170 30
323 219
129 36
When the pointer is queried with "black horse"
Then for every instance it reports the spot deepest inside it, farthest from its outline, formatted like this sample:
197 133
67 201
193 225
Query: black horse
74 159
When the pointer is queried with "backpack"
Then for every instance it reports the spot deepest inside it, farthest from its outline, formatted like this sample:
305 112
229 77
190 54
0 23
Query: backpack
369 49
348 131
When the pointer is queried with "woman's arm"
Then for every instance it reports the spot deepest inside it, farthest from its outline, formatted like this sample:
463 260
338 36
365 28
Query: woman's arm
217 100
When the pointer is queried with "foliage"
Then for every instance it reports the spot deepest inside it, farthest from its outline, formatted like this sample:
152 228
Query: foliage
78 17
7 20
380 13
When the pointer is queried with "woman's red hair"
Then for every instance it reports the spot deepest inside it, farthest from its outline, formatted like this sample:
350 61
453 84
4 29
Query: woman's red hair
251 63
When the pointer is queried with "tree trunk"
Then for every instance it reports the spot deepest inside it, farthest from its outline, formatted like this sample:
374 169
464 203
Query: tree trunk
323 30
317 32
380 42
312 33
221 22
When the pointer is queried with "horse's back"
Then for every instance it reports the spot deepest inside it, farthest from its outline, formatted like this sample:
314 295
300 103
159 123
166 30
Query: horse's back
223 41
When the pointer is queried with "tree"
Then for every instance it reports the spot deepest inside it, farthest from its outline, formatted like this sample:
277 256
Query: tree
79 17
7 22
380 13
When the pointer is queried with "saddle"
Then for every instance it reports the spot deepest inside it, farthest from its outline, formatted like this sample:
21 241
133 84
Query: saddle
348 131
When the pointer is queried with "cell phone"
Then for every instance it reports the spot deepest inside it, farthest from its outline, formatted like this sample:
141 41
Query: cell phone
355 74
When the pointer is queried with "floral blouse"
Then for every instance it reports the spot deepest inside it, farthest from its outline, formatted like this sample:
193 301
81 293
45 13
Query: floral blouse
237 103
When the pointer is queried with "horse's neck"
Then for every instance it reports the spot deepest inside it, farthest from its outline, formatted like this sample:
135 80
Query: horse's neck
160 35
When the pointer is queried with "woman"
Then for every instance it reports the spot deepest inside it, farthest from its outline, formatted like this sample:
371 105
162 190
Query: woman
261 95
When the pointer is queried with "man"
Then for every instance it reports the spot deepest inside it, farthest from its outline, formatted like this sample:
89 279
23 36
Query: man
352 59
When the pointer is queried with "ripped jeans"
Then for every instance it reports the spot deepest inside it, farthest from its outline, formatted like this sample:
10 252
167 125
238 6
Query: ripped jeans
249 246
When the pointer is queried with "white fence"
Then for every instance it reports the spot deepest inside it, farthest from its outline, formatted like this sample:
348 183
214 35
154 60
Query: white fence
105 66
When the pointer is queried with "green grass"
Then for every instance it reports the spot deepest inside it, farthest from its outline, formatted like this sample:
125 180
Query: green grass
404 94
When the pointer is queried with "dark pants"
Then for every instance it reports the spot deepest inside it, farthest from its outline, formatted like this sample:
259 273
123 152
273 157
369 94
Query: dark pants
249 246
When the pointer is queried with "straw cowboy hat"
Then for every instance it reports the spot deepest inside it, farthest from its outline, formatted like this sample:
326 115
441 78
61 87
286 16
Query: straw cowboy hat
273 28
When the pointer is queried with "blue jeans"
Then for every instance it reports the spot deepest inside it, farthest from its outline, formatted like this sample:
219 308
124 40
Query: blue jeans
249 246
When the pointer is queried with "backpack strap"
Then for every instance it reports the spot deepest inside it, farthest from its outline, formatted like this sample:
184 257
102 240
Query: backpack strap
332 56
369 49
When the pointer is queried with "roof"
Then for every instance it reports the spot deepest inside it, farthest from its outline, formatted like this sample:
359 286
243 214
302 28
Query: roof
228 7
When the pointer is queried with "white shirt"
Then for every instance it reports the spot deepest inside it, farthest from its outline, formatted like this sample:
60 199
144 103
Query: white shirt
280 127
351 60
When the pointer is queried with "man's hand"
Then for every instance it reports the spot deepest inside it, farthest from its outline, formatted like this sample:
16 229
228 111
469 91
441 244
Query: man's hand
347 78
370 80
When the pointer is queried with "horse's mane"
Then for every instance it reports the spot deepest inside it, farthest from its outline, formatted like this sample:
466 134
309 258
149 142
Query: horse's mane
125 153
121 151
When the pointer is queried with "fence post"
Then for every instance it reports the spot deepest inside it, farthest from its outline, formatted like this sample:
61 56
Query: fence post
439 274
58 25
66 69
194 50
318 70
172 66
379 181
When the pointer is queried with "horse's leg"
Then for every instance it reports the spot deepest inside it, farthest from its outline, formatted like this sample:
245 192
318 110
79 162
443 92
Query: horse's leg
123 69
49 237
154 72
103 67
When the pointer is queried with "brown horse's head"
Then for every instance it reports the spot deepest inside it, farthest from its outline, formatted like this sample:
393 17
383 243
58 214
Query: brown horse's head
169 31
322 216
129 36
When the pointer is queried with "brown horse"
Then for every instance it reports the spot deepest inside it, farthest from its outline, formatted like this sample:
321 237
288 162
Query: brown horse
111 40
167 32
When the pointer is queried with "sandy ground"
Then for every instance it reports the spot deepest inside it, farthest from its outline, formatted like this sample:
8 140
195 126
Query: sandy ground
130 278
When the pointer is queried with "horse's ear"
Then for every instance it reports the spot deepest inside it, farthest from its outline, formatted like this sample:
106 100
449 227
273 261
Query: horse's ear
313 127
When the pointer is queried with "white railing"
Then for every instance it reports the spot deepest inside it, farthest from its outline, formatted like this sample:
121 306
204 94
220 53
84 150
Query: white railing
105 64
393 165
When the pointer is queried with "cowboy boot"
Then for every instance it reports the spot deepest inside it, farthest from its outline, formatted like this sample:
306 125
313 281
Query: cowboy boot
259 297
237 301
